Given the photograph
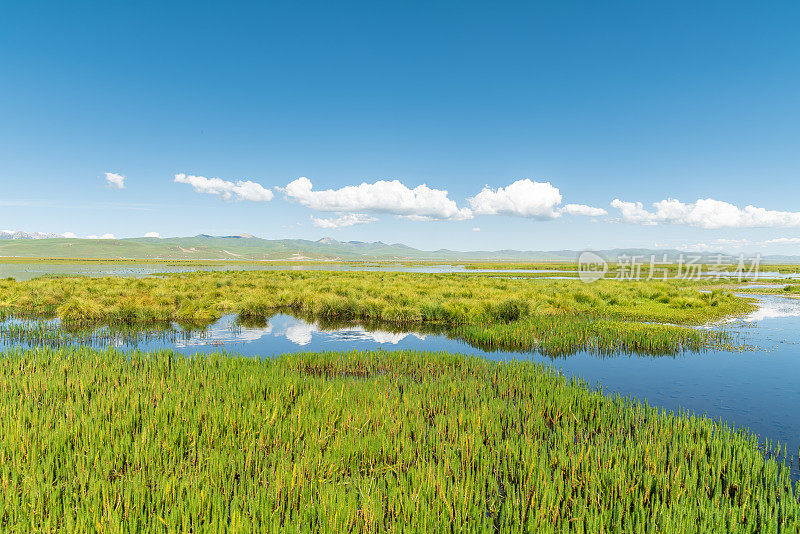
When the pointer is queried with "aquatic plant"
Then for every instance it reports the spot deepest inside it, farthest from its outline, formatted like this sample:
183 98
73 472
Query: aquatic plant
559 336
362 441
474 304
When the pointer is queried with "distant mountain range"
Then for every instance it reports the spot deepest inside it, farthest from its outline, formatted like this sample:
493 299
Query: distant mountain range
247 247
8 234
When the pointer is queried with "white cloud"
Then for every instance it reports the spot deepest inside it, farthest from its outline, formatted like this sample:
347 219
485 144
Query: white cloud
527 198
721 244
523 198
117 181
476 229
783 241
735 242
104 236
348 219
240 190
152 234
583 209
698 247
706 213
728 245
633 212
69 235
419 203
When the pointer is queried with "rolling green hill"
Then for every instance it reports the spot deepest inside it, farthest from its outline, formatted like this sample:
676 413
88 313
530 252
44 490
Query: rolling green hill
204 247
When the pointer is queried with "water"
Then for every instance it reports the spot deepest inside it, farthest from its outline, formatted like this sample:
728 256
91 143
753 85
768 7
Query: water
758 388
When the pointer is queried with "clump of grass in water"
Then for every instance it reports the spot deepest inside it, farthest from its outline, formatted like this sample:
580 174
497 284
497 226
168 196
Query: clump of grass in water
559 336
362 441
477 305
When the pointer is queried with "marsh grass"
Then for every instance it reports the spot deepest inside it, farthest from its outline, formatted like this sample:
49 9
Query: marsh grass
362 442
790 289
515 314
555 336
614 266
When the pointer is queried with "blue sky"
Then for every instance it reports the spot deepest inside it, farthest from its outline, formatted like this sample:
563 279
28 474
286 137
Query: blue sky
628 101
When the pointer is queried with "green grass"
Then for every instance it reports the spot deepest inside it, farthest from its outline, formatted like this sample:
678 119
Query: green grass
789 289
167 251
643 262
362 442
566 315
203 248
555 336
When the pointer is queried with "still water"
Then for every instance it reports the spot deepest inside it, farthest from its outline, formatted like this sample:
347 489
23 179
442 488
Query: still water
758 388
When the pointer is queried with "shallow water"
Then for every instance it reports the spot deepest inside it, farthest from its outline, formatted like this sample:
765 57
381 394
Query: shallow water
758 388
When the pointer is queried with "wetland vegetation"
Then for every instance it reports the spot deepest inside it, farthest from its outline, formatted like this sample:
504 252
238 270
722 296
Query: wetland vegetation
367 441
548 315
362 441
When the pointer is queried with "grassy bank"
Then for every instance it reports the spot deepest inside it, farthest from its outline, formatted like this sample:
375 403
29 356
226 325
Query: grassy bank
361 441
786 289
560 336
508 313
642 263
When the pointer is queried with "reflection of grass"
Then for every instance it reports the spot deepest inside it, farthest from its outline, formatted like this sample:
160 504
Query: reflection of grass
517 313
361 441
34 333
553 336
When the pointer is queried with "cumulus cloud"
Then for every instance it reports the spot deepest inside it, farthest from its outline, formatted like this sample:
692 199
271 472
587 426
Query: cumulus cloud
706 213
393 197
527 198
104 236
226 190
117 181
476 229
583 209
69 235
523 198
784 241
721 244
726 244
634 212
152 234
348 219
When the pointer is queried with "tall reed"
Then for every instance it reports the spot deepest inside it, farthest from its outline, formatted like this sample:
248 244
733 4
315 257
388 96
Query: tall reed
364 442
479 305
